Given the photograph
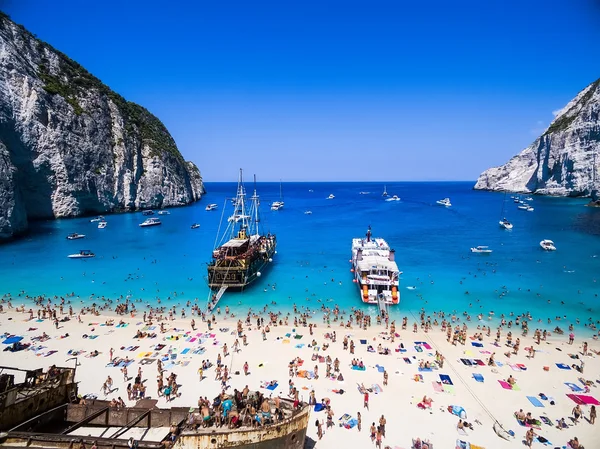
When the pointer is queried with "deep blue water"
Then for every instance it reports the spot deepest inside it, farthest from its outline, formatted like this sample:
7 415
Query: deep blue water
312 262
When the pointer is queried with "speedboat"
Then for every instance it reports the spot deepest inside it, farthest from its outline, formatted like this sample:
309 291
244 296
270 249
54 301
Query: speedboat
102 224
97 219
393 198
147 212
445 202
547 245
195 226
504 223
530 209
276 205
481 249
331 196
75 236
528 199
364 193
211 206
308 212
150 222
523 206
83 254
164 212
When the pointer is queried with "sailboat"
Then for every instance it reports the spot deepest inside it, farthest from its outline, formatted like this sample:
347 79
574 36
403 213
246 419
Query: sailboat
277 205
245 252
504 223
384 191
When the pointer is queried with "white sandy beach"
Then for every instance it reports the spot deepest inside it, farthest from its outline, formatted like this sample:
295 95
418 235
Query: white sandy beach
268 360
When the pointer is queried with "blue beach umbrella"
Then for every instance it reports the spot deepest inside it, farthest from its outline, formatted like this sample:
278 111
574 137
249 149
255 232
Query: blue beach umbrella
11 340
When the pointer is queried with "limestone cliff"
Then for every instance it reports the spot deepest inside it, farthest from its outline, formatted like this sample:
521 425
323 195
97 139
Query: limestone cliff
562 161
70 146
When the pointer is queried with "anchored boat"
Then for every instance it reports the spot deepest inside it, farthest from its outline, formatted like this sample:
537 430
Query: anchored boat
245 252
375 270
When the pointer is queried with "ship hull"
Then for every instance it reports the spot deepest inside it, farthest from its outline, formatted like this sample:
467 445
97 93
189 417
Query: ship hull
239 278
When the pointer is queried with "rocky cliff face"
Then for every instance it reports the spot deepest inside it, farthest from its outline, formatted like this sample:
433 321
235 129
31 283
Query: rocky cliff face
561 161
70 146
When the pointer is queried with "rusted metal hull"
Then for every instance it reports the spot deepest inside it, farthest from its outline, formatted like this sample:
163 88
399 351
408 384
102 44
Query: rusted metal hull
289 434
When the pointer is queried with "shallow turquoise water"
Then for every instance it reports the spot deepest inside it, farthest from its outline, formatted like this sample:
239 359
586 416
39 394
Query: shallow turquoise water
432 244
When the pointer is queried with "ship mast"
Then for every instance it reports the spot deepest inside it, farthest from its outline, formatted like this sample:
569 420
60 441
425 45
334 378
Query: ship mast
255 205
239 213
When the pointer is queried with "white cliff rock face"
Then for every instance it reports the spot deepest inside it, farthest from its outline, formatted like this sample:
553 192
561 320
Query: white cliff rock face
561 161
70 146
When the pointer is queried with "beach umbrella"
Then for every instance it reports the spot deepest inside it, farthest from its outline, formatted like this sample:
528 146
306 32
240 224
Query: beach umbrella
11 340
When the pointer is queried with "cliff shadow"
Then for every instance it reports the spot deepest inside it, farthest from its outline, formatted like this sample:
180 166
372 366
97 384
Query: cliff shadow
31 183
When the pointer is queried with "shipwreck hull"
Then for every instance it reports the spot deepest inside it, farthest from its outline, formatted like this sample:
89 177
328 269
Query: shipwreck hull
289 434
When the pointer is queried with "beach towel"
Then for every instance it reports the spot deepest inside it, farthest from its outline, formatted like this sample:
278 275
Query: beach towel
376 388
272 387
563 366
535 401
351 423
544 441
477 344
574 387
407 360
583 399
298 336
358 368
446 379
505 385
466 362
49 353
185 351
438 387
418 349
11 340
515 367
522 367
546 420
478 377
363 342
380 368
319 407
449 389
300 346
479 362
425 369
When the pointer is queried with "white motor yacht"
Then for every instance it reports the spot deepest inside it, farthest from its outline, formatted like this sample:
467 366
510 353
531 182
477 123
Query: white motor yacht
308 212
529 209
83 254
164 212
393 198
277 205
445 202
522 206
211 206
504 223
547 245
331 196
150 222
481 250
102 224
195 226
75 236
97 219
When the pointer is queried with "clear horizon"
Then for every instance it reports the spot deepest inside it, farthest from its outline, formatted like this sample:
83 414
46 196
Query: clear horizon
335 91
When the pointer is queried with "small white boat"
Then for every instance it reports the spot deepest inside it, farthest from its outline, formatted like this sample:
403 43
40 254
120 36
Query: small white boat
164 212
504 223
528 199
277 205
364 193
393 198
150 222
75 236
481 250
83 254
102 224
530 209
308 212
331 196
97 219
445 202
195 226
523 207
211 206
547 245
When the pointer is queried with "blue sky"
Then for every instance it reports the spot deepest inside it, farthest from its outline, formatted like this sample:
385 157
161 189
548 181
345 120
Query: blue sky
335 90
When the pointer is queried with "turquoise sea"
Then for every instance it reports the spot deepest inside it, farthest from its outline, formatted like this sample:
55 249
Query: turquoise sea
312 267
